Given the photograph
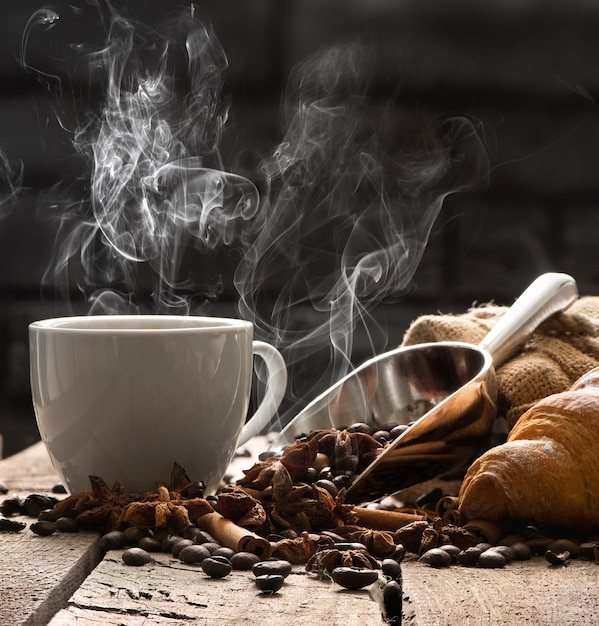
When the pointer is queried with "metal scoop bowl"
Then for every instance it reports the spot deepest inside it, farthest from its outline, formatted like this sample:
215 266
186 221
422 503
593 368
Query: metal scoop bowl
446 392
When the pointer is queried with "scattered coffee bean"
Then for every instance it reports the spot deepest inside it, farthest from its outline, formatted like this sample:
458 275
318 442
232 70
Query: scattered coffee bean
452 550
44 528
382 436
329 485
59 488
491 558
244 560
587 549
539 545
398 430
354 577
179 545
216 566
114 540
149 544
194 554
268 454
469 556
136 557
565 545
211 546
269 583
555 558
391 569
342 481
392 602
134 534
3 487
326 473
506 551
522 551
399 553
67 525
169 541
279 567
35 503
195 489
11 506
360 427
10 525
483 546
223 551
200 536
435 557
311 475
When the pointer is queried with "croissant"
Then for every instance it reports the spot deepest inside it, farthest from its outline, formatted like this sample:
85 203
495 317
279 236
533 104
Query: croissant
547 472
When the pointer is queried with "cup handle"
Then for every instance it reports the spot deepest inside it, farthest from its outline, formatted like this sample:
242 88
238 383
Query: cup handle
276 384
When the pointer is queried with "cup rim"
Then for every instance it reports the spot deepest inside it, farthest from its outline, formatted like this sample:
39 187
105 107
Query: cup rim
83 324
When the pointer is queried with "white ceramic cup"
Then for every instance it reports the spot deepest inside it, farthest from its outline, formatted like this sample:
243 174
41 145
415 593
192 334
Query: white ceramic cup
124 397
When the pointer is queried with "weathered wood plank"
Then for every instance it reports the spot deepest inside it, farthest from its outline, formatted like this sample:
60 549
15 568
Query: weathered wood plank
39 574
173 593
531 593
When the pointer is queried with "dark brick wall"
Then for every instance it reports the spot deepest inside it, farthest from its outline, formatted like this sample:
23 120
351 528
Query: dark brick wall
526 71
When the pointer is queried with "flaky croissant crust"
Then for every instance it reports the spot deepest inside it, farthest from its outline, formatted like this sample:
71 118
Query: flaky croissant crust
548 470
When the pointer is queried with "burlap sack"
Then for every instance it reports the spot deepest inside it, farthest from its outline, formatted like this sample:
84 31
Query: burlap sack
561 350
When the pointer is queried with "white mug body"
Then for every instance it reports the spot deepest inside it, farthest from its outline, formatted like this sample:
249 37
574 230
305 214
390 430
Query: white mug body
124 397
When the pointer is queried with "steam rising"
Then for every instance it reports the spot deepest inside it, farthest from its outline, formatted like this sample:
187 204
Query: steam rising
349 201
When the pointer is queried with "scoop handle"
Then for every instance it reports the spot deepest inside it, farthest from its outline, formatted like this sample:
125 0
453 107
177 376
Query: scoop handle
548 294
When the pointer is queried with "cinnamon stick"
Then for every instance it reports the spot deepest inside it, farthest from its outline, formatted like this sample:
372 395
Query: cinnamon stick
233 536
378 519
491 532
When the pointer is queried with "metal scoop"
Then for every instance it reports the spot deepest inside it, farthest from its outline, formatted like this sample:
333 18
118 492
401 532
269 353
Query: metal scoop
445 391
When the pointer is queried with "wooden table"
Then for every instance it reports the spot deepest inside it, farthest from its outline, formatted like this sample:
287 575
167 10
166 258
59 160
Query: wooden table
64 579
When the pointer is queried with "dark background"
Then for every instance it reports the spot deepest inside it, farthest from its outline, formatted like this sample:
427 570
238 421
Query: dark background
526 70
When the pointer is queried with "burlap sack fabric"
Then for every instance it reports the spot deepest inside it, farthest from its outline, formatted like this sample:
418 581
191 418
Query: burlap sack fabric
561 350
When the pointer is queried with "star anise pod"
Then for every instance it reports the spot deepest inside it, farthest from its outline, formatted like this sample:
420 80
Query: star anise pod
379 543
241 508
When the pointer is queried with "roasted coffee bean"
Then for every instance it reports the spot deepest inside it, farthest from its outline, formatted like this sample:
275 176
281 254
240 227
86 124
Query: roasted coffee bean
360 427
213 502
342 481
136 557
201 536
11 506
483 546
435 557
469 556
398 554
211 546
311 475
195 489
35 503
506 551
44 528
391 569
179 545
216 566
67 525
587 549
194 554
269 583
58 488
565 545
491 559
522 551
329 485
114 540
3 487
382 436
556 558
10 525
452 550
223 551
539 545
134 534
326 473
169 541
279 567
289 533
244 560
398 430
149 544
392 602
354 577
268 454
